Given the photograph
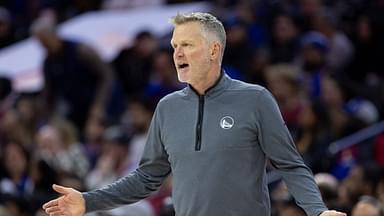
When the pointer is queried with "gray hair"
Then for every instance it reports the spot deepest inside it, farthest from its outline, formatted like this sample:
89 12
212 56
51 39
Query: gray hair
208 22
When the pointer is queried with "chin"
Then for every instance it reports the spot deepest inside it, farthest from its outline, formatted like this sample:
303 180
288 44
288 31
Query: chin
182 78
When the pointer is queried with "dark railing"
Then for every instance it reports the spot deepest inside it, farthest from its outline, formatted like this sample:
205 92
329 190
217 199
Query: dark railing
356 138
341 144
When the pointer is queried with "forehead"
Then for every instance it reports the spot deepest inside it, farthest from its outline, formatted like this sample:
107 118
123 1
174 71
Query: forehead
187 31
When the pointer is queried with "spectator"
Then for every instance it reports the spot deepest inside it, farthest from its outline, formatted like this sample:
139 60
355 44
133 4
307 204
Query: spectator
362 180
340 49
77 81
237 57
283 82
58 145
312 60
328 185
134 64
284 40
305 11
17 181
28 108
256 71
367 206
12 128
246 12
313 136
333 98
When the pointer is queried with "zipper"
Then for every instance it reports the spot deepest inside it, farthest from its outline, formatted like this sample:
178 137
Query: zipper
199 124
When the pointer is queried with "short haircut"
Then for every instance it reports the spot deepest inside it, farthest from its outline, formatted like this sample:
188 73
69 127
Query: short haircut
373 202
208 22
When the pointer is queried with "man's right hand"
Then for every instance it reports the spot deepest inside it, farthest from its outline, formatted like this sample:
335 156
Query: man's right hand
71 203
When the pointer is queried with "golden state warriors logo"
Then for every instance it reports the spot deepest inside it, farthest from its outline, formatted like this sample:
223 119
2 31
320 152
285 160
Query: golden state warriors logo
227 122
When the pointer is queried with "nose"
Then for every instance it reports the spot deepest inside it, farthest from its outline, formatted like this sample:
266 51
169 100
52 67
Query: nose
178 52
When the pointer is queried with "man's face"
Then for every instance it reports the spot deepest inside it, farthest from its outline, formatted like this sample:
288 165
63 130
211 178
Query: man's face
365 209
191 52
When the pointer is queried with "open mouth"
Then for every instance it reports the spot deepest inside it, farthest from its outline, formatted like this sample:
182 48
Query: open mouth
182 66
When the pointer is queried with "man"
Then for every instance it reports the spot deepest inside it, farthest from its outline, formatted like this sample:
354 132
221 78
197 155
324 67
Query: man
77 81
214 135
367 206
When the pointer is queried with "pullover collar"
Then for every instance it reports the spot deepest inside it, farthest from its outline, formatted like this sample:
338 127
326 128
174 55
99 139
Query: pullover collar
219 86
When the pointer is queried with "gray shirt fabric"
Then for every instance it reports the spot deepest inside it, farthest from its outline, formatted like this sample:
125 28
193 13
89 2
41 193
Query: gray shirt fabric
216 147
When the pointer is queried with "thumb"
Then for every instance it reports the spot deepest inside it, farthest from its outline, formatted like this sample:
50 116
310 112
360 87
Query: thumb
61 189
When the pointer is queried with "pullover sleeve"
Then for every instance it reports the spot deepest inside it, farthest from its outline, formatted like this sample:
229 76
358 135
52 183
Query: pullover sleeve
277 144
153 169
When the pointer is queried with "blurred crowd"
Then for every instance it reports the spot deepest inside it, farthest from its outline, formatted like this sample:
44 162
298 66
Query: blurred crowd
321 59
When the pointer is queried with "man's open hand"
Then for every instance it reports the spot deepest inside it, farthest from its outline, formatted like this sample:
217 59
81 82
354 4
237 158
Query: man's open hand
71 203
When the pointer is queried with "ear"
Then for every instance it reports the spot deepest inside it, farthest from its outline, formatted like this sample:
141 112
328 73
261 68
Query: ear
215 50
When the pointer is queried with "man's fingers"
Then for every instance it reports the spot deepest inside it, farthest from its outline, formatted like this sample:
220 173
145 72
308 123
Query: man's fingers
61 189
51 203
52 209
336 213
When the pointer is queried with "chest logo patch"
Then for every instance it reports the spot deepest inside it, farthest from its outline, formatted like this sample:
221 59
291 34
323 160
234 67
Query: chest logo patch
227 122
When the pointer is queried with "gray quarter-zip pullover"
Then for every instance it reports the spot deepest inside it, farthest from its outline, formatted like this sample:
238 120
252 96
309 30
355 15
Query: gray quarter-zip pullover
216 146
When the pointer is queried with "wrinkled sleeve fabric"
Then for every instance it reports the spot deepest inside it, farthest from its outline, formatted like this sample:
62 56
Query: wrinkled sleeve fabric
276 142
153 169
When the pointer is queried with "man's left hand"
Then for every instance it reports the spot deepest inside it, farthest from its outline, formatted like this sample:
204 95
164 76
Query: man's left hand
332 213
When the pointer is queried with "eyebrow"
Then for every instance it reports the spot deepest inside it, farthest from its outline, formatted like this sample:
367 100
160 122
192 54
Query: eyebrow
181 41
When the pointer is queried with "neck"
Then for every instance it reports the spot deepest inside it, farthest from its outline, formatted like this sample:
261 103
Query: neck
203 85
